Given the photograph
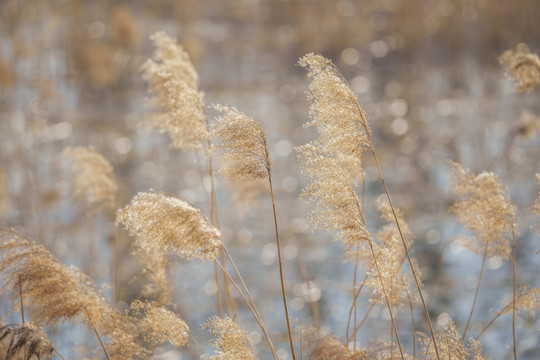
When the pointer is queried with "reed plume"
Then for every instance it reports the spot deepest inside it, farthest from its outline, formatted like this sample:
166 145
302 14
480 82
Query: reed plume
56 293
159 324
173 84
451 345
527 302
522 68
171 223
242 142
317 344
25 340
231 340
94 181
485 211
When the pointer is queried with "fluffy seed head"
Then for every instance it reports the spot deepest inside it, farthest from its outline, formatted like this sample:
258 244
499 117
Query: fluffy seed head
159 324
171 223
25 339
450 345
523 68
485 211
242 142
337 206
173 83
231 340
334 110
527 302
94 181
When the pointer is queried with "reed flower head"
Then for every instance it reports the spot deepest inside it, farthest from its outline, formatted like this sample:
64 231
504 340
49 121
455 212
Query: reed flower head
527 302
55 293
171 223
335 111
523 68
231 340
451 346
94 181
173 83
242 142
485 211
26 340
159 324
321 345
337 206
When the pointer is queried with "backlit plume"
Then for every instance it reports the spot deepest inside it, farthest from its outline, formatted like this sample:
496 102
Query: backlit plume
173 84
170 222
94 181
485 211
523 68
242 142
231 340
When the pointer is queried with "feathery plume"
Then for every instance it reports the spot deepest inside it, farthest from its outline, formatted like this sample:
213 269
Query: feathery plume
231 340
27 341
242 142
160 324
320 345
451 346
170 222
486 212
523 68
527 302
4 194
337 115
337 206
94 181
173 83
57 293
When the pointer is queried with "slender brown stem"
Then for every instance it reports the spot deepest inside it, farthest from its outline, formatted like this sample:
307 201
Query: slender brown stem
253 310
58 353
281 267
220 302
353 305
477 290
371 307
21 299
413 323
416 280
514 290
305 275
101 342
194 344
386 298
492 321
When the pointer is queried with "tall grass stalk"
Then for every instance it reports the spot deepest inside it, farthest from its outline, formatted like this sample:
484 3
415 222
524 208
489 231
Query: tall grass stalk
480 275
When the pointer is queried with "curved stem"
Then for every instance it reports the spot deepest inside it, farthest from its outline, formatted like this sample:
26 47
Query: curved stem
477 290
58 353
101 343
281 267
406 251
492 321
194 344
371 307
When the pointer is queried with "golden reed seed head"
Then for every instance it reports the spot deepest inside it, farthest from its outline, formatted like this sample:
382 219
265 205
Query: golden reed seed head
334 109
231 340
25 340
171 223
173 84
450 345
55 293
94 181
242 143
523 68
527 302
486 211
159 325
337 206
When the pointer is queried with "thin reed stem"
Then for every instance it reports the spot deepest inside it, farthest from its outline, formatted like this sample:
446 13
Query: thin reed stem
514 290
386 298
281 267
477 290
498 315
115 265
101 343
413 323
371 307
220 301
355 299
253 310
353 305
305 275
58 353
406 251
194 344
21 299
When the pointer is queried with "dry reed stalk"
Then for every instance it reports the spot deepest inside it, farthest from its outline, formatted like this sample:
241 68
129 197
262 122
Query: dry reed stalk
536 207
242 142
486 211
451 346
46 284
344 130
4 194
231 341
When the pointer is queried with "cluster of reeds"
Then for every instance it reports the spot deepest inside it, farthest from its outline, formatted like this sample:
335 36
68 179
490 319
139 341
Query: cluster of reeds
164 225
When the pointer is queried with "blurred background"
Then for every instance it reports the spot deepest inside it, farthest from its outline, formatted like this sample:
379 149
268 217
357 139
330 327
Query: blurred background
426 72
